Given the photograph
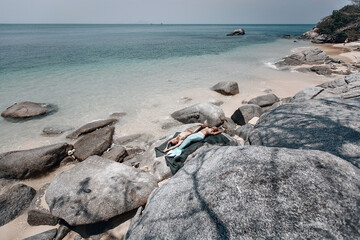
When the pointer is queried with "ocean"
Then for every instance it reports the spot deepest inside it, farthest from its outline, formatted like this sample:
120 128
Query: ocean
91 71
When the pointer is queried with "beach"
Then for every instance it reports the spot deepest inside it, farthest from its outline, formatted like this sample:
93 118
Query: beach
149 108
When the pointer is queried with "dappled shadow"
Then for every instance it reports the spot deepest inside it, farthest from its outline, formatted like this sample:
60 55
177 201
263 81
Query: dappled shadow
328 125
202 206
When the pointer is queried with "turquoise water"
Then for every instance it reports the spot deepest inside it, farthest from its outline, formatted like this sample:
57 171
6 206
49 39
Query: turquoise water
90 71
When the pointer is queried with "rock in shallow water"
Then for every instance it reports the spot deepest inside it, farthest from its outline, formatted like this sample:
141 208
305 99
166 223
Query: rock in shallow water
98 189
28 163
255 193
330 125
23 110
14 202
226 88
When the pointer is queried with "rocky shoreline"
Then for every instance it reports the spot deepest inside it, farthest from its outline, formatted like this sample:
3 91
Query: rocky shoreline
290 169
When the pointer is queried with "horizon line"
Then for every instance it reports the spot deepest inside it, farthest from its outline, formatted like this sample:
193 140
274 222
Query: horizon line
159 23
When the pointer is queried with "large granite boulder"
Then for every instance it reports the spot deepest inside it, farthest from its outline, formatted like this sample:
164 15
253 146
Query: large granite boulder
226 88
264 100
330 125
306 94
14 201
23 110
28 163
255 193
90 127
309 56
245 113
48 235
95 143
200 113
236 32
39 212
96 190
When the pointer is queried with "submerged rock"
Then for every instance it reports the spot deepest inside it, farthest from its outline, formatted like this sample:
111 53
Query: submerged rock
96 190
28 163
90 127
94 143
56 130
23 110
331 125
14 202
200 113
255 193
226 88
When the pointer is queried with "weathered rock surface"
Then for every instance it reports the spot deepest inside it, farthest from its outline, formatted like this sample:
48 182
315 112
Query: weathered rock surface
116 153
90 127
265 100
330 125
27 110
28 163
96 190
309 56
48 235
39 213
14 202
244 131
306 94
199 113
229 126
245 113
322 70
236 32
134 140
226 88
56 130
94 143
255 193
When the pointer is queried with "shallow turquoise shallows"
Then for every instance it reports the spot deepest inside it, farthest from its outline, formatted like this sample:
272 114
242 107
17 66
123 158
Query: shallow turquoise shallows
90 71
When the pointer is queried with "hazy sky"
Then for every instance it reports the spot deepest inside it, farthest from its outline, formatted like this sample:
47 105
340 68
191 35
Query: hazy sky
167 11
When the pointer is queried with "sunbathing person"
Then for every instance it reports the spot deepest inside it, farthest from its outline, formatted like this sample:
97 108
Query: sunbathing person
176 141
195 137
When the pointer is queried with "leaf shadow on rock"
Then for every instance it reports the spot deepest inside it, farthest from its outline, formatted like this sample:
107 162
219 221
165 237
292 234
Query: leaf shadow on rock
333 130
202 206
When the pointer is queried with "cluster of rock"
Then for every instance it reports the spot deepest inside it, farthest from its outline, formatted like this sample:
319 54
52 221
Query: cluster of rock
297 177
315 60
236 32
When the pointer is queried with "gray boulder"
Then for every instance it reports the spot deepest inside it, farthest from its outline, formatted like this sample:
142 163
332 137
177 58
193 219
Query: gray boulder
322 70
255 193
134 140
94 143
244 131
330 125
14 202
264 100
96 190
90 127
48 235
39 213
28 163
115 153
23 110
200 113
236 32
246 112
226 88
309 56
56 130
306 94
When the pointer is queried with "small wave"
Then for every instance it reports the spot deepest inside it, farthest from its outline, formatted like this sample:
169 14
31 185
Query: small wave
271 65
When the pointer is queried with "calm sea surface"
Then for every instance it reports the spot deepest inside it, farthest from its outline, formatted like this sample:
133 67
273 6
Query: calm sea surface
90 71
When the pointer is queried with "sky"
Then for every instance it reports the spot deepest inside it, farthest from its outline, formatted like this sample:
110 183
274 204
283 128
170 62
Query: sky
168 11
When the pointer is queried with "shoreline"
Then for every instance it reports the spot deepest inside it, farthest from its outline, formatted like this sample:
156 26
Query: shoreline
283 86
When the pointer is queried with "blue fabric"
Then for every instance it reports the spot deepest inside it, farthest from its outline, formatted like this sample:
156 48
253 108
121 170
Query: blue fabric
195 137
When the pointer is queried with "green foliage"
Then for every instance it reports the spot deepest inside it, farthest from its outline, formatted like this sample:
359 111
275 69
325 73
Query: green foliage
339 19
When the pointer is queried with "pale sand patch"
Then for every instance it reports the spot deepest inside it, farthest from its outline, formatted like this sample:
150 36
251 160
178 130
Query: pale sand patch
340 51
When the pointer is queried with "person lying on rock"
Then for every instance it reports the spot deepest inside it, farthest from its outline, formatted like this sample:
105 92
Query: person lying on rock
176 141
195 137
